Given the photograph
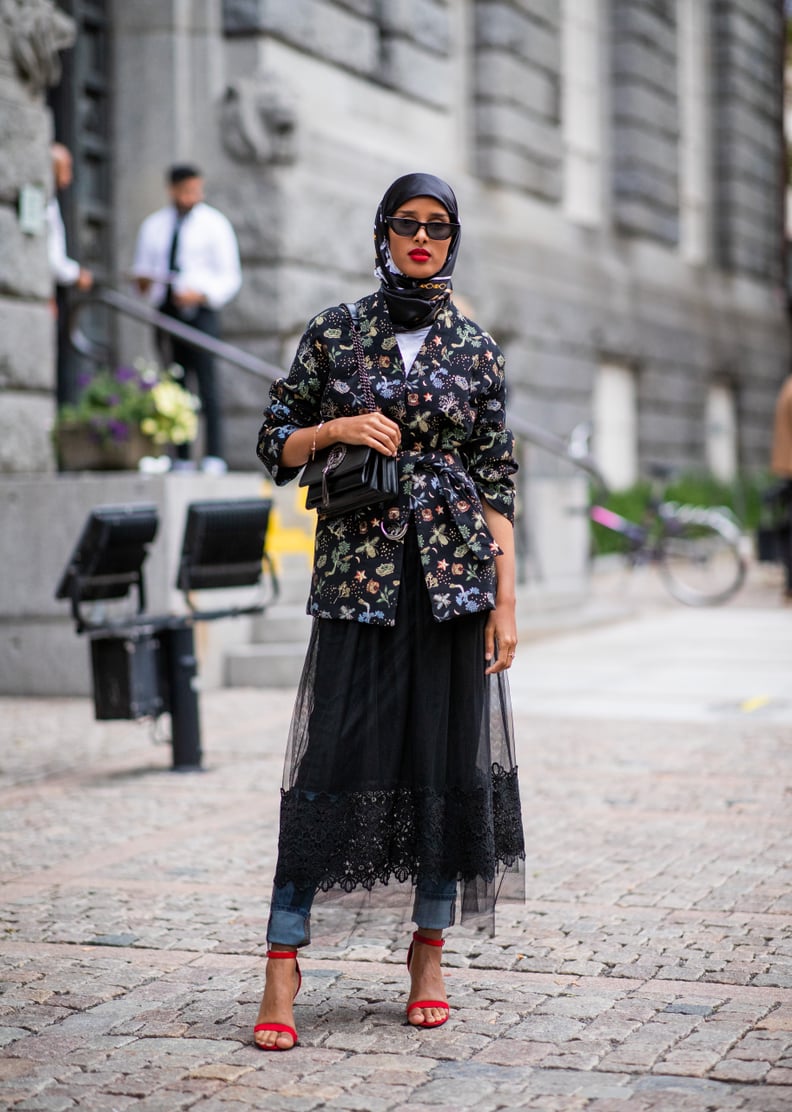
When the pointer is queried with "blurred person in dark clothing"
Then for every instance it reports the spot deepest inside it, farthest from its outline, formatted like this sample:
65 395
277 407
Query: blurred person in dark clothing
781 465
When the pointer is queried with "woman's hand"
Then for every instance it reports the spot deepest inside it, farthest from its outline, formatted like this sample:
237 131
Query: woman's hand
500 633
373 429
501 630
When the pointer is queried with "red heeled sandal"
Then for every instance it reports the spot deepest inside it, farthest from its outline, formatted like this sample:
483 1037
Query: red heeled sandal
418 937
280 1026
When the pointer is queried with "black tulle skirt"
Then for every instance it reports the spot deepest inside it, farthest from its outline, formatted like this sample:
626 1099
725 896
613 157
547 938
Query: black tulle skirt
400 766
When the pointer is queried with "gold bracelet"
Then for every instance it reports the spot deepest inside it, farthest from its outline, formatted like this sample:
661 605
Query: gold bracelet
316 433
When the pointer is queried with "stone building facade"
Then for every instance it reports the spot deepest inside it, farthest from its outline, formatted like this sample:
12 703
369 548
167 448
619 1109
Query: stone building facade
619 165
30 37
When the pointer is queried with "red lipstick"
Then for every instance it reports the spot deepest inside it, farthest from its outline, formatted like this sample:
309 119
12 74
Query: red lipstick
419 255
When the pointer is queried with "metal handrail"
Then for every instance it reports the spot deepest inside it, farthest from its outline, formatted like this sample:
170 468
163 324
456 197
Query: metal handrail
557 445
140 311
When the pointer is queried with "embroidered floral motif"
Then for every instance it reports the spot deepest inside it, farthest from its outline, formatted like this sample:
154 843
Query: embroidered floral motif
456 450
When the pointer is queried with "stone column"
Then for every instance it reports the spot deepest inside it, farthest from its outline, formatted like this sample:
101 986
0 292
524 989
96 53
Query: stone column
517 96
167 79
695 131
645 119
31 33
748 46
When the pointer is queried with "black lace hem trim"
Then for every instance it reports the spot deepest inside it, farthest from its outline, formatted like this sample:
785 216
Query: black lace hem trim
363 838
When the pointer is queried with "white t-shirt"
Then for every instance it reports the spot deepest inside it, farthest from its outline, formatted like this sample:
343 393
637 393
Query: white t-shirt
410 343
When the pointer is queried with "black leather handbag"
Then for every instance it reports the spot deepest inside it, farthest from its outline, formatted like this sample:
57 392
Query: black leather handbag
347 477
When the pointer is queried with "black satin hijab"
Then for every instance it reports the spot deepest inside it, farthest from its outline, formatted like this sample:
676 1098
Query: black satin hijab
414 302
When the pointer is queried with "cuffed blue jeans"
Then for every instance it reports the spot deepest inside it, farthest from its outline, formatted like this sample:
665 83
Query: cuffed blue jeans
290 911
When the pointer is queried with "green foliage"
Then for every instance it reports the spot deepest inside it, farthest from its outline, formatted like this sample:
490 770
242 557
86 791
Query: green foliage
743 497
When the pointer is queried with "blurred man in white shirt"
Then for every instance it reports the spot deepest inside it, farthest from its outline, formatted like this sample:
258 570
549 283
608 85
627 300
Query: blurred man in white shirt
187 265
66 272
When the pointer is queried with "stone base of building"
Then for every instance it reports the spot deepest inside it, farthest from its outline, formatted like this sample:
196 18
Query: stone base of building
40 653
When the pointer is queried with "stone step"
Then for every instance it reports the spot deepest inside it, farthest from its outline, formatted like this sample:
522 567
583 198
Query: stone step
281 623
276 665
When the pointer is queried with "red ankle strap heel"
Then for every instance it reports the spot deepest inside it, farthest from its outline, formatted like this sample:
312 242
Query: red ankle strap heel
443 1004
418 937
281 1026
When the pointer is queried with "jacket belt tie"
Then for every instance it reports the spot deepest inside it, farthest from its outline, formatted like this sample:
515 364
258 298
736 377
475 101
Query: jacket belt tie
444 472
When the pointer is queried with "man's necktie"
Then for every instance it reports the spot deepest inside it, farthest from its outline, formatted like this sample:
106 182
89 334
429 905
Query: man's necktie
174 247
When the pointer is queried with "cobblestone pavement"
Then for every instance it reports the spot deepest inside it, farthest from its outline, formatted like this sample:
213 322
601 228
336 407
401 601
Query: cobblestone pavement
650 969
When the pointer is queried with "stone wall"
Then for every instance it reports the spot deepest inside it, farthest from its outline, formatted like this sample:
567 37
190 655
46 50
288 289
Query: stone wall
28 61
402 45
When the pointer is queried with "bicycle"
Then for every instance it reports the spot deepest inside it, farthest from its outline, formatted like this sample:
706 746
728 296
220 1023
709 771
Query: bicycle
696 549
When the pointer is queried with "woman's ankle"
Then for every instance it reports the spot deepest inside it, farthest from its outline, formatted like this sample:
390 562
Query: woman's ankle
431 932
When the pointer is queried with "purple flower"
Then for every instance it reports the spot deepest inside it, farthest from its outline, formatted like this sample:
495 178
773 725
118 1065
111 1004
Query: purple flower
84 378
119 430
126 374
113 399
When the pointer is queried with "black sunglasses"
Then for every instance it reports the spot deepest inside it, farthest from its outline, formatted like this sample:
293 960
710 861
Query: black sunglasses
435 229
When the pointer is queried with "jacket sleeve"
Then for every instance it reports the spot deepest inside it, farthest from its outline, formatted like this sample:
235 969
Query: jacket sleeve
295 403
489 452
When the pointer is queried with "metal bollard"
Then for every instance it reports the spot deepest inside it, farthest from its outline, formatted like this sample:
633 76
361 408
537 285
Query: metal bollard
182 673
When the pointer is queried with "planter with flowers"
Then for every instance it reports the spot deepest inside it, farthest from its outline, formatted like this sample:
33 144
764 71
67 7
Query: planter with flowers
123 415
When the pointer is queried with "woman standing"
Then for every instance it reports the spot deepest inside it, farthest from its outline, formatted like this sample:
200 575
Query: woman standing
400 765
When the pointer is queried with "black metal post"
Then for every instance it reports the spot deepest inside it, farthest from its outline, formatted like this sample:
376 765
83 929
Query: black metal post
182 671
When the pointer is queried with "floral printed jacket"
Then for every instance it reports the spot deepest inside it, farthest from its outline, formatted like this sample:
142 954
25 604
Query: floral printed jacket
455 450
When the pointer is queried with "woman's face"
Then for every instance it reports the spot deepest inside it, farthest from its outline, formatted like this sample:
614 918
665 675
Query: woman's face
417 255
